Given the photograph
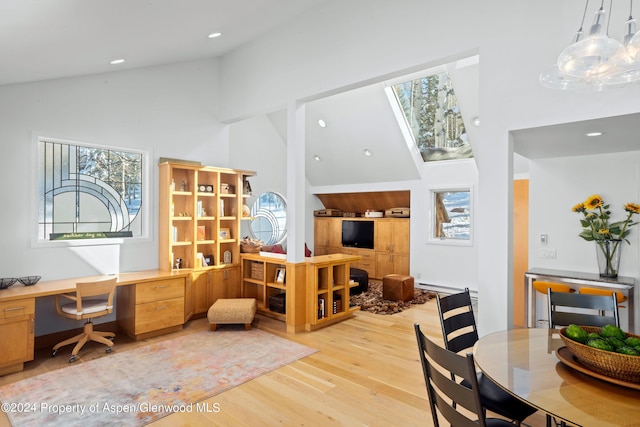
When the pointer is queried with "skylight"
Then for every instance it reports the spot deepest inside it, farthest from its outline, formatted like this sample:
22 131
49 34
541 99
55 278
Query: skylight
433 118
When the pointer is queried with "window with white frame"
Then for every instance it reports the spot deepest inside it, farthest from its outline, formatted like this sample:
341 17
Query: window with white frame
270 218
89 192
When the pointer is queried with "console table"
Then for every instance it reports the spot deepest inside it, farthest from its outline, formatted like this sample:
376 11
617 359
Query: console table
626 285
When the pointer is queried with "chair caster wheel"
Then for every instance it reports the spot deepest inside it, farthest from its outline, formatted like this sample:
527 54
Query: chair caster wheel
108 350
73 359
53 353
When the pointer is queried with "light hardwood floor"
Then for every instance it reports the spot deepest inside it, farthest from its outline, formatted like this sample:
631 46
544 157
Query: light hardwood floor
366 373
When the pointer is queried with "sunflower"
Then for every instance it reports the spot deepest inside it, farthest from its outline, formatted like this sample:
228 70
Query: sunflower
632 208
592 202
578 208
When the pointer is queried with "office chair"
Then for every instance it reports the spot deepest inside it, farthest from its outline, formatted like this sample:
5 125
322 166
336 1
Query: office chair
596 310
91 299
440 368
460 333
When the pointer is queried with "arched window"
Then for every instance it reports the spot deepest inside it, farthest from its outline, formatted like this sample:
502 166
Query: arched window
270 223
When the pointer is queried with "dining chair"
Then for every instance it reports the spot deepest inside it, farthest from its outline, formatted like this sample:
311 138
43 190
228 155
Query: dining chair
460 333
542 287
90 300
441 368
582 309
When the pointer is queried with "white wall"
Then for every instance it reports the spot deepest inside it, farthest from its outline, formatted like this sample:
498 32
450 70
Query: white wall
255 144
556 185
371 40
167 111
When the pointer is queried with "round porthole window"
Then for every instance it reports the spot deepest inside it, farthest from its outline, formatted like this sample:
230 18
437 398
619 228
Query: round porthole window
270 223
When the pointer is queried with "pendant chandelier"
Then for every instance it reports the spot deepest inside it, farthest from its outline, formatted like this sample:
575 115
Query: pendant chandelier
597 61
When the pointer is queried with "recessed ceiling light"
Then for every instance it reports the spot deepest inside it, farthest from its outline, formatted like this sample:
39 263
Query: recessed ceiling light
322 123
476 121
367 152
593 134
317 158
116 61
214 35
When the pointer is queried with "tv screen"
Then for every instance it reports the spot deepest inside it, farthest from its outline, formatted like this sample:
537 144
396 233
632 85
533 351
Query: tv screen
357 234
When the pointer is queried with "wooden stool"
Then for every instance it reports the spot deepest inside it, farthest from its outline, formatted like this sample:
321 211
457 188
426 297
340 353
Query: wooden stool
397 287
232 311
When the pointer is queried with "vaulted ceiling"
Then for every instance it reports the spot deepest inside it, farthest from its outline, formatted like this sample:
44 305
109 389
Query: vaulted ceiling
41 40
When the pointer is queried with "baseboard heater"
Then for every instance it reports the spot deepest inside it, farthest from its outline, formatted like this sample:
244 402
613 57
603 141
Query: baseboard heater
445 289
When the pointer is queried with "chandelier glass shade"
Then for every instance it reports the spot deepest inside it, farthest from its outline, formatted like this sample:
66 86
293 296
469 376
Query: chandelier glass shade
597 61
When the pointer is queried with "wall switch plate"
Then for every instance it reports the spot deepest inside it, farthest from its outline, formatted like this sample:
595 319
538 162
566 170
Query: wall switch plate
548 253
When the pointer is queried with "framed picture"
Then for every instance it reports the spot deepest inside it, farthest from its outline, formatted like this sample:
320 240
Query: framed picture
280 274
225 233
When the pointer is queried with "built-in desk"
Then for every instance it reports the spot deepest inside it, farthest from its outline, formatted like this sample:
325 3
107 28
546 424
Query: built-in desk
138 309
626 285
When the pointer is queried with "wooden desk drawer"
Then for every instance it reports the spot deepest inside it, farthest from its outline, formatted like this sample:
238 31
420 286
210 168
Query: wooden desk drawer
17 308
159 315
159 290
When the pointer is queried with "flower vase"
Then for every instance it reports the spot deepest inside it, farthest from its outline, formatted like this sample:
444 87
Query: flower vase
608 253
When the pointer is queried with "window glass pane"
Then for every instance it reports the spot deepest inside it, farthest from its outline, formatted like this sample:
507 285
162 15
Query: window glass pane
270 223
452 215
432 114
84 190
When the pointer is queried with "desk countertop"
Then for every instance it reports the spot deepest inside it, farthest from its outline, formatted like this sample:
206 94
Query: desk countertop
56 287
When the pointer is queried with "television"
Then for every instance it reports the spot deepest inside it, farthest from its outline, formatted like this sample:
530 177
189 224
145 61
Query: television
357 234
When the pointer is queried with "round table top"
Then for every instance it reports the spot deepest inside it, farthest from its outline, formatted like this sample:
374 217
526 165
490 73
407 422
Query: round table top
524 362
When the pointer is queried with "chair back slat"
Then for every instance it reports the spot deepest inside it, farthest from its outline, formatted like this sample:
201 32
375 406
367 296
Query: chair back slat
441 368
457 320
582 309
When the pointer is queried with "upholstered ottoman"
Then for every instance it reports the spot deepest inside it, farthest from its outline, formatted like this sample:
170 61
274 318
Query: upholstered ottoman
397 287
232 311
360 276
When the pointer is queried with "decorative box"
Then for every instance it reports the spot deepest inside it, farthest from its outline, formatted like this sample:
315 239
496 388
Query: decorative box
278 303
226 188
257 271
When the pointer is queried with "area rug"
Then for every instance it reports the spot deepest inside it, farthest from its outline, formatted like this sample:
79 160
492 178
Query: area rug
373 302
136 387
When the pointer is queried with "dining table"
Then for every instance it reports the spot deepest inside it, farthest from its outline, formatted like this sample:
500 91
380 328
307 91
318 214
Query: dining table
533 365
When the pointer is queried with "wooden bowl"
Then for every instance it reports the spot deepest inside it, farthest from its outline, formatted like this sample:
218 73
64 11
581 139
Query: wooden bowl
616 365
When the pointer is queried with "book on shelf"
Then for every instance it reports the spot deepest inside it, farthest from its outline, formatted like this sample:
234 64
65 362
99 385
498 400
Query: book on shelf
337 304
321 308
202 232
175 233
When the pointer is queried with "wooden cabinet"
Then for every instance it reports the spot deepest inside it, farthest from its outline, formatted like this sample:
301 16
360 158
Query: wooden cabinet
328 290
391 244
200 289
258 281
200 209
305 284
327 236
367 261
225 283
16 334
151 308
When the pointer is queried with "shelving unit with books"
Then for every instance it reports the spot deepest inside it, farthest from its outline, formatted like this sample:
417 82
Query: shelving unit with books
199 224
328 289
